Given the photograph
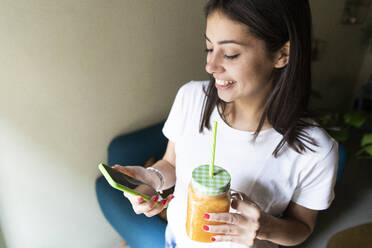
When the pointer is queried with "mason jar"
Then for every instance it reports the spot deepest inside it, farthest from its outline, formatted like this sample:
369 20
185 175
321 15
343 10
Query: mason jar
206 195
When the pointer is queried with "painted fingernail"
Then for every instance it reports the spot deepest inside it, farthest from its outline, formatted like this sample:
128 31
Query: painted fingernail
206 216
213 239
205 228
171 197
164 202
140 199
156 198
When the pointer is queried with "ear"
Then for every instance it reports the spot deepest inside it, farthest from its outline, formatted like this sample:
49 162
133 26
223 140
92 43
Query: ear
282 57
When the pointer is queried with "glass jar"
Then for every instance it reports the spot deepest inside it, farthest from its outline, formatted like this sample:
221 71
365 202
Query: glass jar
206 195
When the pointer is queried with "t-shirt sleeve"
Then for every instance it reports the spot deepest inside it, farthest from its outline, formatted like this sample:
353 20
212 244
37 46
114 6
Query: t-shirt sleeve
316 187
175 122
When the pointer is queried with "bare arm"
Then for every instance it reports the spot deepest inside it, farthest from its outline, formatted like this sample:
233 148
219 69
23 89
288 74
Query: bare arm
251 223
294 228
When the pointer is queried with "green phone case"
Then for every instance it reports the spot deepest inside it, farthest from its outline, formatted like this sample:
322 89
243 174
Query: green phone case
119 186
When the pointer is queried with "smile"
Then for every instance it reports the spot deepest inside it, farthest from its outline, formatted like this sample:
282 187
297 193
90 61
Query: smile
223 83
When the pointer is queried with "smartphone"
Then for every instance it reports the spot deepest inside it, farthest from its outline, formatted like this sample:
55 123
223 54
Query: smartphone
121 181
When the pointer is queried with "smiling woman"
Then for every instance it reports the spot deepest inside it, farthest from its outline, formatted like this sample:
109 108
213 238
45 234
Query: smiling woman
241 59
273 71
280 161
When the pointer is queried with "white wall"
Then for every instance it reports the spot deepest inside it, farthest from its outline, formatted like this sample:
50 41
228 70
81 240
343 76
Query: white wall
74 74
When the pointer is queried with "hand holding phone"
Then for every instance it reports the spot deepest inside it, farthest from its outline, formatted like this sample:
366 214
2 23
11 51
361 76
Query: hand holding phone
123 182
119 178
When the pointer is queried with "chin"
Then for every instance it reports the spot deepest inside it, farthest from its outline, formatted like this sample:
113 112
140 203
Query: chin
225 98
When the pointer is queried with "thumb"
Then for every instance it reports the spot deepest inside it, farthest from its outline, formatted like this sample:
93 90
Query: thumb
247 208
239 195
125 169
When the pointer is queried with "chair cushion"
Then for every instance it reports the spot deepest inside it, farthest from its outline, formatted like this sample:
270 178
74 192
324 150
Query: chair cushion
137 230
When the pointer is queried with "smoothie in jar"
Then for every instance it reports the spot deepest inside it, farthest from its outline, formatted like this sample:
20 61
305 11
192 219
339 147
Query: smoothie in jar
206 195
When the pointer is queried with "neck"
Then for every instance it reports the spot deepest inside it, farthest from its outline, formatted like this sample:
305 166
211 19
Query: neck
245 115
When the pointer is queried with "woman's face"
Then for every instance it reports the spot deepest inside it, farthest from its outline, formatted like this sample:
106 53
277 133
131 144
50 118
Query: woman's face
235 55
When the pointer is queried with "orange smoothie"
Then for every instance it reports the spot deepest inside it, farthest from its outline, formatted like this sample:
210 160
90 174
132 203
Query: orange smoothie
199 204
206 195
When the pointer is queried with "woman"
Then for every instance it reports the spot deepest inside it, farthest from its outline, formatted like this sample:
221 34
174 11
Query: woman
258 56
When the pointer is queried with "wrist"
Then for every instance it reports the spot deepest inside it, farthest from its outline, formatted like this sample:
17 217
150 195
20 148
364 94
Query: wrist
266 223
158 179
145 189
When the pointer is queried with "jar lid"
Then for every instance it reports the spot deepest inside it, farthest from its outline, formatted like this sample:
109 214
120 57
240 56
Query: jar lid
218 184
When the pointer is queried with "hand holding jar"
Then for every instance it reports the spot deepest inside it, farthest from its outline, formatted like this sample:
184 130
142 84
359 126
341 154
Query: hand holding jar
242 227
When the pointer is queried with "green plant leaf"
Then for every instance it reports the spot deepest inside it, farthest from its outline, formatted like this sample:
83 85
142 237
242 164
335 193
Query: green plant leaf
330 119
367 149
355 118
367 139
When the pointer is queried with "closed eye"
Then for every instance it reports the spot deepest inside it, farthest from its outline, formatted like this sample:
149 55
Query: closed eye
231 57
225 56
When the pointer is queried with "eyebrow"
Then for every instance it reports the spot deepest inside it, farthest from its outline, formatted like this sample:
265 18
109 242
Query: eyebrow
226 41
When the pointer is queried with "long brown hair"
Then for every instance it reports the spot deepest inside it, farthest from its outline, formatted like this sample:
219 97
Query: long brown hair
275 22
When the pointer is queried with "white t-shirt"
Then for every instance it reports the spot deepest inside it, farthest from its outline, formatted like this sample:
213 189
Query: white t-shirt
270 182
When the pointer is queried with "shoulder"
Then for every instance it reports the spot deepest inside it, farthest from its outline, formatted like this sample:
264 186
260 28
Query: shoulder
192 93
323 140
325 147
193 87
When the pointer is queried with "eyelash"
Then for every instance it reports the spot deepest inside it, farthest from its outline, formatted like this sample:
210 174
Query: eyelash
226 56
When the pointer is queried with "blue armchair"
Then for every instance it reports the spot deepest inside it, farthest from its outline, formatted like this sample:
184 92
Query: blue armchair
132 149
135 149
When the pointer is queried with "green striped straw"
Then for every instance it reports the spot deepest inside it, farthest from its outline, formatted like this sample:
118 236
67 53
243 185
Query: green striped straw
211 166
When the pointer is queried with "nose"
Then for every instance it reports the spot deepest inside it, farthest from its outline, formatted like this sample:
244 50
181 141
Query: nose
213 64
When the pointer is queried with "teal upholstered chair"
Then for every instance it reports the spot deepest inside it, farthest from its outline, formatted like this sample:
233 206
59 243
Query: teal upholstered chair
135 148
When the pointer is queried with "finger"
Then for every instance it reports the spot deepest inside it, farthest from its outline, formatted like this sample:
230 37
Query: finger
137 172
133 199
136 202
247 208
160 206
146 206
230 218
118 167
239 195
225 229
155 210
169 199
245 240
128 170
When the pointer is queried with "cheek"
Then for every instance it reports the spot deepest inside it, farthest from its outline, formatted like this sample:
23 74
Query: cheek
257 71
254 77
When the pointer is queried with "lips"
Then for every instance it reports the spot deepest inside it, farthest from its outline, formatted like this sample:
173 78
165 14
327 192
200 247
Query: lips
224 82
224 85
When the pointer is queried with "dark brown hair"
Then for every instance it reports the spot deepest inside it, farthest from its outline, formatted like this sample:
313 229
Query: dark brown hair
275 22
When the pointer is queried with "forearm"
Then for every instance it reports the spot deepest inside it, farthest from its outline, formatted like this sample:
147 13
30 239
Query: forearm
284 231
168 171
